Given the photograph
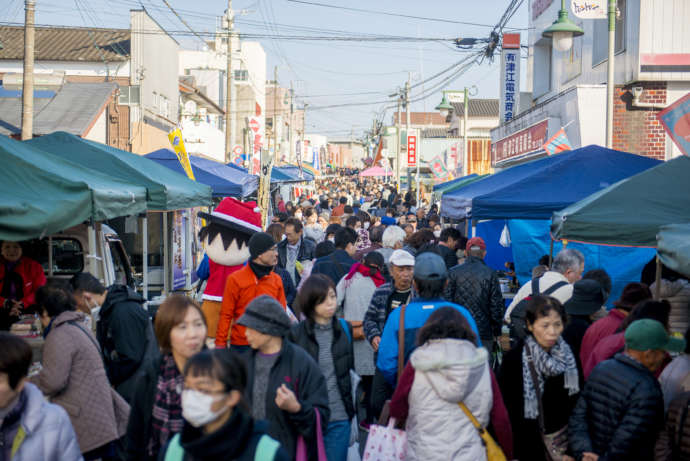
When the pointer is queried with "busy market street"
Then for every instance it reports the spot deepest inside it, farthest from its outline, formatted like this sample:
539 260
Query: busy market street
291 230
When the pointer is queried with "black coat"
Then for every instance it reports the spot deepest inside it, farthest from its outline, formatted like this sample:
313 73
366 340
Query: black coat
139 424
298 371
619 413
303 335
527 442
335 265
572 334
305 253
125 334
237 440
448 255
475 286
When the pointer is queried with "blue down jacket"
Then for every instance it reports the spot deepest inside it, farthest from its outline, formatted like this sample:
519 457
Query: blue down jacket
619 413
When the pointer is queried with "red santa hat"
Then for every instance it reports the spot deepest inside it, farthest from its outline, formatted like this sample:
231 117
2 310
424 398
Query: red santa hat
242 216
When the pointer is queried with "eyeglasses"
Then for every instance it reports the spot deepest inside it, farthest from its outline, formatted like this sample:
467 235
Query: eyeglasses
412 221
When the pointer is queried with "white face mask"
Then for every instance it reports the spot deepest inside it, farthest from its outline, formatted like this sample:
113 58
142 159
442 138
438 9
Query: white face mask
331 239
366 225
196 407
298 215
437 233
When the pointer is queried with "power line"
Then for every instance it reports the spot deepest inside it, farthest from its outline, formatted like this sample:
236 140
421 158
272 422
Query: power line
184 22
387 13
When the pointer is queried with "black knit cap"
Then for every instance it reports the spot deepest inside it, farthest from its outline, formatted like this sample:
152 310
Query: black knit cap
260 243
265 315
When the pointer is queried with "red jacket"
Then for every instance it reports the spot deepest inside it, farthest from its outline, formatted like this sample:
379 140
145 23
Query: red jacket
240 289
31 273
218 275
599 330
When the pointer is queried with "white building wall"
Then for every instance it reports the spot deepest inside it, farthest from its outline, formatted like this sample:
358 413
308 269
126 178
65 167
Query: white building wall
664 30
98 131
554 71
114 69
155 66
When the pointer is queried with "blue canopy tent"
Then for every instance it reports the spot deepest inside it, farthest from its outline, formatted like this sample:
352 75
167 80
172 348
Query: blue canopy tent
224 181
558 182
237 167
536 189
526 195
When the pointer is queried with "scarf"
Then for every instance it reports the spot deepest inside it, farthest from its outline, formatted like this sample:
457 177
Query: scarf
166 417
558 361
377 278
260 270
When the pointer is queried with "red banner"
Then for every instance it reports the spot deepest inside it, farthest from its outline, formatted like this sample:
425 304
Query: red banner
412 150
523 142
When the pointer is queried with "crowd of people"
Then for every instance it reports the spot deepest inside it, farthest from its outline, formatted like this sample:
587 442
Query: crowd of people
356 304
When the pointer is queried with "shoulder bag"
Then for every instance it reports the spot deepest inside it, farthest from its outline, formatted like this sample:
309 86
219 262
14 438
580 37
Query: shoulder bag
493 450
556 443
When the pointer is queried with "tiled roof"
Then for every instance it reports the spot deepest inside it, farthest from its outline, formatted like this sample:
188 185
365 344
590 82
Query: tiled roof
421 118
477 108
73 108
435 133
68 44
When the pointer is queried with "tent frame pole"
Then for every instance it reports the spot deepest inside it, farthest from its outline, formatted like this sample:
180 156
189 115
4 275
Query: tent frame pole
166 255
145 254
188 251
551 254
657 286
50 256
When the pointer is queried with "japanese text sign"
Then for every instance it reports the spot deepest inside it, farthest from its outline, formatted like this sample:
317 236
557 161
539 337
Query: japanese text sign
412 150
523 142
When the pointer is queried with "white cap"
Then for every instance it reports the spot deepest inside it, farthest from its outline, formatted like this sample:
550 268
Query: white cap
402 258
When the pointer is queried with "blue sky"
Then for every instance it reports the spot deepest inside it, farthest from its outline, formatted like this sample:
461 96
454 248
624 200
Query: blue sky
324 73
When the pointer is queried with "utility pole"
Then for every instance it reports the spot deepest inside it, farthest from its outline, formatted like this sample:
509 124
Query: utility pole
465 154
291 139
397 145
275 116
229 113
407 128
28 77
610 80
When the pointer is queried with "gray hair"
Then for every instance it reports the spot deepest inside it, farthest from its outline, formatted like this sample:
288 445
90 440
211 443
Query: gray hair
567 259
393 235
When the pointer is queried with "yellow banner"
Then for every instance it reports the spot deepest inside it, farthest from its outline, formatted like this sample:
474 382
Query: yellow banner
175 137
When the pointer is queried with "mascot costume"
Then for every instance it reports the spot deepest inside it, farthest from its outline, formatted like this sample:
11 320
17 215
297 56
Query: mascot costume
225 238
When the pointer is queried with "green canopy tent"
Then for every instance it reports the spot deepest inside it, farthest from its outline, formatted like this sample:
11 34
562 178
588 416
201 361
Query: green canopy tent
629 212
167 190
673 246
43 193
460 184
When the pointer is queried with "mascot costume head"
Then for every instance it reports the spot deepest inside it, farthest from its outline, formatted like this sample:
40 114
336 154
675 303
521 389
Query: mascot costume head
226 240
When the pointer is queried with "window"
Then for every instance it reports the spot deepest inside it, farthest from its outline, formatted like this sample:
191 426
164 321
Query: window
129 95
68 255
241 75
542 68
600 35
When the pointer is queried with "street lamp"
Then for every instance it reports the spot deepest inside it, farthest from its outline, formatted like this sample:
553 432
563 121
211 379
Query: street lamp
444 107
562 30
